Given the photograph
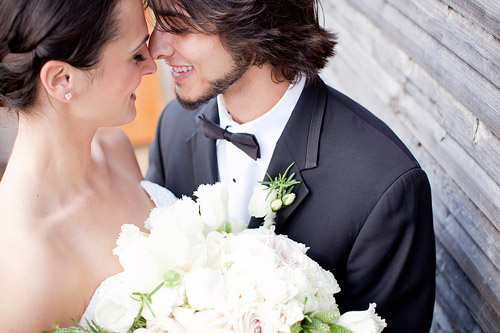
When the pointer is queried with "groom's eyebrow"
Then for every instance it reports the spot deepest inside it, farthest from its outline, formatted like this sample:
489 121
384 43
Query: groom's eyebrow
141 43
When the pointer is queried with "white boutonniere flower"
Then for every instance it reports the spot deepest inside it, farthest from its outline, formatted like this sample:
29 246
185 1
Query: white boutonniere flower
271 196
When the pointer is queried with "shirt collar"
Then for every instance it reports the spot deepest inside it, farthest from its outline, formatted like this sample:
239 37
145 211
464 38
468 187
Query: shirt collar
268 127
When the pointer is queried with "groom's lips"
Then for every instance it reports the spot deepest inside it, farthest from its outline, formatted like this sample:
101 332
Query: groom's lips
180 73
133 96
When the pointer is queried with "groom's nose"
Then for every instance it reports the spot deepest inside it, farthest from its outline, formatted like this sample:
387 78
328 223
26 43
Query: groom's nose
160 44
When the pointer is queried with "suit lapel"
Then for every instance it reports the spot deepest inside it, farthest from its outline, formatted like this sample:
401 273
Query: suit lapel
203 150
298 144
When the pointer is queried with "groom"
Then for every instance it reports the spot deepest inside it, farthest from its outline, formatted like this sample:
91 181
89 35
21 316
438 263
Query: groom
363 204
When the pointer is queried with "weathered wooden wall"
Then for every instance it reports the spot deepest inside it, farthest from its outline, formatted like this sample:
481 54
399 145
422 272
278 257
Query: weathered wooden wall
431 70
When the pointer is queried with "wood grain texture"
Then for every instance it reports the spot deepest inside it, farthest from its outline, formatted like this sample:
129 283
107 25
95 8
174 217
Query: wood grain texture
454 32
483 12
470 88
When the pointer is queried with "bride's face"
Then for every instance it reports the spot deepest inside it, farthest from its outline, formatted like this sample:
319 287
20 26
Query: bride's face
110 95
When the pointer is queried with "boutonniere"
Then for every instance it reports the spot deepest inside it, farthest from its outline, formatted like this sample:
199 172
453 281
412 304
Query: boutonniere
272 195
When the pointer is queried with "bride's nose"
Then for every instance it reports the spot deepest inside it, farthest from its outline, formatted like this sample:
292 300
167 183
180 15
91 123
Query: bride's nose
148 66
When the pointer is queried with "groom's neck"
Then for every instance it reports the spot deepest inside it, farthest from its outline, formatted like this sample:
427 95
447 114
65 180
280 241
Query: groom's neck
254 94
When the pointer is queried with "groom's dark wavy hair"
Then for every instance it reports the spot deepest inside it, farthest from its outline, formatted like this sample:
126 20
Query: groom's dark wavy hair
283 33
33 32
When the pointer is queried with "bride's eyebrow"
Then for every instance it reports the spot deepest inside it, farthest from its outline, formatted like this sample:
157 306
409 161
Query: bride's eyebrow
141 43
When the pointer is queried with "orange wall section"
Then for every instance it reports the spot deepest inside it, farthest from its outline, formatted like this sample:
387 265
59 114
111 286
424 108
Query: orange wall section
149 104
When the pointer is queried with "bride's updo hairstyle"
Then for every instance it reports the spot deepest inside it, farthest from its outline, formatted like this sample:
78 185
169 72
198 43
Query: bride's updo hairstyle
33 32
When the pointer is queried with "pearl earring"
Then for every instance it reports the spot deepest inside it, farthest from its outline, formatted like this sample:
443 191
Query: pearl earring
68 96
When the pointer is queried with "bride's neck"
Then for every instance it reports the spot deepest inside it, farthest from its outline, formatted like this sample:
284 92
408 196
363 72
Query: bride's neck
53 152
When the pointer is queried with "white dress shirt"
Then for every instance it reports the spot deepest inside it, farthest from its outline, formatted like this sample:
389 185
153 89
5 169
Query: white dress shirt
237 171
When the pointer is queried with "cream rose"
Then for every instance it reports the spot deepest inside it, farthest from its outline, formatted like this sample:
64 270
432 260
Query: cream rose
253 317
290 252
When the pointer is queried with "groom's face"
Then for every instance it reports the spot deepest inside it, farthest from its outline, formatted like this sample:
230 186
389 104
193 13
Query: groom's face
200 66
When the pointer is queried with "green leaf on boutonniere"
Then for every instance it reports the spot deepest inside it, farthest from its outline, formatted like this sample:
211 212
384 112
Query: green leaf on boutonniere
283 186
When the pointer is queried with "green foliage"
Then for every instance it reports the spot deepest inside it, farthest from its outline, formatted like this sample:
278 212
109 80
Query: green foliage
92 328
171 278
323 321
335 328
282 184
226 227
327 316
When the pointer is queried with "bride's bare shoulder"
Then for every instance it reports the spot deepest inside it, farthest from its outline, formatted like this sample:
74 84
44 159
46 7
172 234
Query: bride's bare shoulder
117 149
35 292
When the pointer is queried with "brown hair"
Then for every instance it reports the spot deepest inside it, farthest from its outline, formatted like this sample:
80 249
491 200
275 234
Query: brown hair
283 33
33 32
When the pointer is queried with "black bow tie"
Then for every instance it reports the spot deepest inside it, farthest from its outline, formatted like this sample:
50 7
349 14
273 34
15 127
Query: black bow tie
246 142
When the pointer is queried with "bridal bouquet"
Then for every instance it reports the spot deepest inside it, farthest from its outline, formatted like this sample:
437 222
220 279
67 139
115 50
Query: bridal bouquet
196 272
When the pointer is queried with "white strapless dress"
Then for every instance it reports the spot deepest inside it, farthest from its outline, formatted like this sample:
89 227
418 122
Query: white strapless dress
161 198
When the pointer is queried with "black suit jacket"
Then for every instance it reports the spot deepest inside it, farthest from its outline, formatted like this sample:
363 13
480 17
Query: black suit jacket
363 205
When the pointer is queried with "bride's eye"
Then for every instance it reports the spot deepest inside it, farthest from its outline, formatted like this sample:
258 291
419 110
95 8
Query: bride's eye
139 57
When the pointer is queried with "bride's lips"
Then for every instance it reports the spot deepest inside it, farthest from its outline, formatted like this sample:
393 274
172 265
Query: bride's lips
180 73
133 96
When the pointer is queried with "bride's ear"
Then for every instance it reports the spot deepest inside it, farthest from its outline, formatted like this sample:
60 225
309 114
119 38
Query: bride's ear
57 77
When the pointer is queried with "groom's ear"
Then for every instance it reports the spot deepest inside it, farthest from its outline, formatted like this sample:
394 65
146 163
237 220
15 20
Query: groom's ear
57 78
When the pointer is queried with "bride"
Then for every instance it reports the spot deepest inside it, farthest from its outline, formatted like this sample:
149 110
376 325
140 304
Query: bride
69 69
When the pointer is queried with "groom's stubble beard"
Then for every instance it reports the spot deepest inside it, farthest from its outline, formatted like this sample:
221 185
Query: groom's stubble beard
215 87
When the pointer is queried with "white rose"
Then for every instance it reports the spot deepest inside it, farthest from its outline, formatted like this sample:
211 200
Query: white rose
276 205
240 288
129 234
216 243
248 253
260 202
292 312
166 325
238 226
288 199
324 280
290 252
260 233
209 321
142 268
156 217
178 245
275 287
163 301
116 310
212 200
253 317
184 316
184 211
362 321
204 288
